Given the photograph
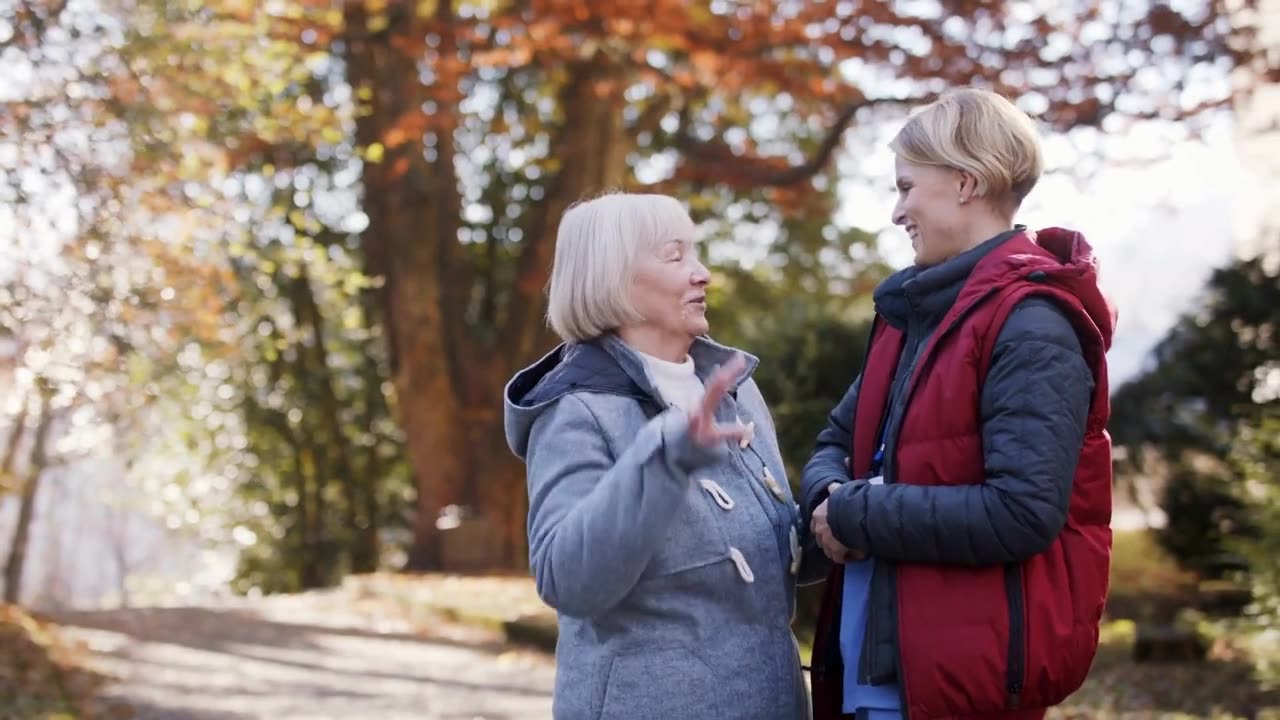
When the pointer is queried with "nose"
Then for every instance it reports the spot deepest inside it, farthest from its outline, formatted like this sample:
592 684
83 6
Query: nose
701 276
899 217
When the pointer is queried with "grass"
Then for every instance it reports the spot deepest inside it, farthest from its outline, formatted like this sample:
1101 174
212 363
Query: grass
1146 584
1221 687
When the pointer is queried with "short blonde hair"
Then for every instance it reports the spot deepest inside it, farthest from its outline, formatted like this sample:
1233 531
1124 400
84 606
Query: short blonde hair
597 245
980 133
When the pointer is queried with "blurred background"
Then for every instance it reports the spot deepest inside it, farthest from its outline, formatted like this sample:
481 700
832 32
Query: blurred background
266 266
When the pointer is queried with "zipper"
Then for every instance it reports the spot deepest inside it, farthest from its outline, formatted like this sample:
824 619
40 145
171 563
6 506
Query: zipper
1017 634
1015 682
926 355
905 708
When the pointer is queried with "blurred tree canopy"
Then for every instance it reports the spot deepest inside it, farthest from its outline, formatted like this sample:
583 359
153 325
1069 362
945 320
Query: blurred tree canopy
1206 409
342 214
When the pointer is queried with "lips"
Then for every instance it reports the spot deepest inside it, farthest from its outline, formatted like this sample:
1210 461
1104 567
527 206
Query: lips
700 301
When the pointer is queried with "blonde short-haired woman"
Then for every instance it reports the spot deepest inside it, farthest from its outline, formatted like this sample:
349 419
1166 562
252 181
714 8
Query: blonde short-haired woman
661 526
963 483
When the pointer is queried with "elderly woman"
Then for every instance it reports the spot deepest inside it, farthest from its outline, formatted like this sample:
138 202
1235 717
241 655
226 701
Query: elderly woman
661 526
964 480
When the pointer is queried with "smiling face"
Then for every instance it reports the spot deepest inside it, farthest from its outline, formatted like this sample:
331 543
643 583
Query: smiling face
964 164
933 208
669 292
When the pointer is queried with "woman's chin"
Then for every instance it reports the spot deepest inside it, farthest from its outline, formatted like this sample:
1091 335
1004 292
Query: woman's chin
924 259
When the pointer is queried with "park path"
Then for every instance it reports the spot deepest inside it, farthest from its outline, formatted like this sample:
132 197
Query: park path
317 656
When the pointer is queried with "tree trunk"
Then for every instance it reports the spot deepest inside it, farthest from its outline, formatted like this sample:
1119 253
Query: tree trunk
448 382
375 468
22 533
413 208
11 446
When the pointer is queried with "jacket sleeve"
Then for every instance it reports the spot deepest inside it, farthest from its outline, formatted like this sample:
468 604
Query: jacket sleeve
826 465
595 521
1034 407
827 462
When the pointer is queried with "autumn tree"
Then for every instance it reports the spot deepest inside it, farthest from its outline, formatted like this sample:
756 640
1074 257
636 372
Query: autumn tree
481 123
96 294
477 124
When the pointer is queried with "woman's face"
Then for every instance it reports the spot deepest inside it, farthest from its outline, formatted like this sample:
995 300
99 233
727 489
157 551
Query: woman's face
933 208
669 291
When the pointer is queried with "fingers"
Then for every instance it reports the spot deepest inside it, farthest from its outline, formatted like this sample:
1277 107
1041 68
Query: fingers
831 547
842 554
719 382
707 432
728 432
839 553
702 425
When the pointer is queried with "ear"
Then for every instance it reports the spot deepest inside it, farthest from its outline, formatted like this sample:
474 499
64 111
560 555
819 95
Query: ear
966 186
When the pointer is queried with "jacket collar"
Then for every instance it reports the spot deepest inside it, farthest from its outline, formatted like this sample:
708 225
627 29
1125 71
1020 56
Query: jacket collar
927 293
608 365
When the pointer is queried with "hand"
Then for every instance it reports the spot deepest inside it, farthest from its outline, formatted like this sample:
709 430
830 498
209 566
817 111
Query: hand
703 429
831 547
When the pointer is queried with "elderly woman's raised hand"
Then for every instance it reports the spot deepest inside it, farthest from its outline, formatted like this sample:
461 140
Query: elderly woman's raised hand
703 428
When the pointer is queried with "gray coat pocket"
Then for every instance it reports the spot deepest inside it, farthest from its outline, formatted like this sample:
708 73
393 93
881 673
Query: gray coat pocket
668 683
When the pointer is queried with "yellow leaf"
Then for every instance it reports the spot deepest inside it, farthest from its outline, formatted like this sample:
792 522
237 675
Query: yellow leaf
351 318
374 153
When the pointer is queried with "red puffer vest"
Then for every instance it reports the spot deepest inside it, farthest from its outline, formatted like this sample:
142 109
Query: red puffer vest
1004 640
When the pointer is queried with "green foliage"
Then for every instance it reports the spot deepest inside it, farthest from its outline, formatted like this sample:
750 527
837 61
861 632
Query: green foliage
1210 393
326 472
1255 458
1205 515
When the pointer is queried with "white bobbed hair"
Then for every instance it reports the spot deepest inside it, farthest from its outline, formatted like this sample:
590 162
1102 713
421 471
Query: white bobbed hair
597 246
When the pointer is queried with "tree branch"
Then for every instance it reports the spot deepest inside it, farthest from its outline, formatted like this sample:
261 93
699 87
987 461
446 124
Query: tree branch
651 117
717 163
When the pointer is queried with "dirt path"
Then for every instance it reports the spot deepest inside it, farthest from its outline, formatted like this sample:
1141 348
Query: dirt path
313 656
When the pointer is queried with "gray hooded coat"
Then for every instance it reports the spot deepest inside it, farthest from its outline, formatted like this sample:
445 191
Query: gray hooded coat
672 567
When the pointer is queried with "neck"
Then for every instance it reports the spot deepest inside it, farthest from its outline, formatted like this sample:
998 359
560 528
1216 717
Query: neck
661 345
982 230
